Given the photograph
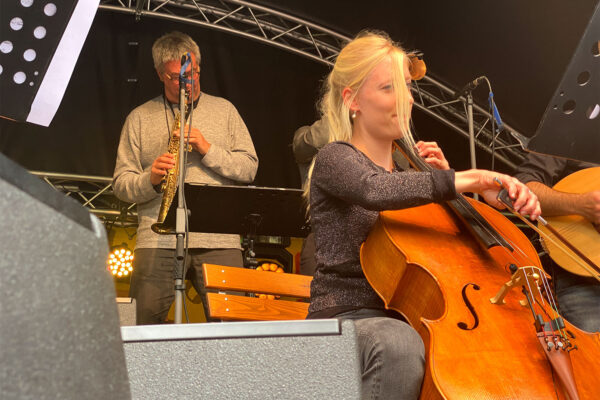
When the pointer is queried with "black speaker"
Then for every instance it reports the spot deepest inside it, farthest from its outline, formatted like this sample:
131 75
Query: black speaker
313 359
59 336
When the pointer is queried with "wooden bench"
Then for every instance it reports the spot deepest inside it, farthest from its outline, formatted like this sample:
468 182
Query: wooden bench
237 307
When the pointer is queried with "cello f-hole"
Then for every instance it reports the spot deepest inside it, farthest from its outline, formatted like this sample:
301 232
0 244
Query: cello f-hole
463 325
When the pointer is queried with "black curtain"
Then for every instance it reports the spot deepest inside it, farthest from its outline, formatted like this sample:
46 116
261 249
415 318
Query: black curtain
274 91
523 47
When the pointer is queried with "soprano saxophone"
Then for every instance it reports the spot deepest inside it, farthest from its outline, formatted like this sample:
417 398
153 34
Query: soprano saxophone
168 185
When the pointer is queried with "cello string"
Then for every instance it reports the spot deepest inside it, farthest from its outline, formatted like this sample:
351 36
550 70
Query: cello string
495 235
414 159
546 287
549 293
529 283
542 276
551 299
587 264
560 246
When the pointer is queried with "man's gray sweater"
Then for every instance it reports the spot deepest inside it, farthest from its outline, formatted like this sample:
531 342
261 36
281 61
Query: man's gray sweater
230 160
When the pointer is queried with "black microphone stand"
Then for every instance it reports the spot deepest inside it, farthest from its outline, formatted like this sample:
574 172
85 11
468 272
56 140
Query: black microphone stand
469 95
180 217
466 92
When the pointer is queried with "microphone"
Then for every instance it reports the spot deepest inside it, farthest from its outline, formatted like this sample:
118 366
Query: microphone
469 86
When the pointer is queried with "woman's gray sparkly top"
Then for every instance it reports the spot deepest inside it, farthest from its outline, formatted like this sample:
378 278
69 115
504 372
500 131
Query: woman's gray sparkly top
347 192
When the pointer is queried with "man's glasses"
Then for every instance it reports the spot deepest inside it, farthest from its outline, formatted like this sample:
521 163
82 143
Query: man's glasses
174 78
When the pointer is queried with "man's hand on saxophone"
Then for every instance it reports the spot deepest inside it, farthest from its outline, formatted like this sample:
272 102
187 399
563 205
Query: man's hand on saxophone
160 166
196 139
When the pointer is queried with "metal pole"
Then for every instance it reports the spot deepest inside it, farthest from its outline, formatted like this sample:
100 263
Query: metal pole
471 134
180 215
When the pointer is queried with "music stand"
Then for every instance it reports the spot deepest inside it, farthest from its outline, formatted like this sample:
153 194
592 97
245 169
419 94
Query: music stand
245 210
570 127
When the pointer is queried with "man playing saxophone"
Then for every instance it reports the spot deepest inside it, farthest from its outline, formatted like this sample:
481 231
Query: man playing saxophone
222 154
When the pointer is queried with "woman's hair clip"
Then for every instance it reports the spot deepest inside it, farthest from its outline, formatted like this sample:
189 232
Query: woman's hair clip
417 66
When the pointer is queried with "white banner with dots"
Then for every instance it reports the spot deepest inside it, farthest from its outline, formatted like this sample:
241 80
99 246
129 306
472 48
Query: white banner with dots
40 41
61 67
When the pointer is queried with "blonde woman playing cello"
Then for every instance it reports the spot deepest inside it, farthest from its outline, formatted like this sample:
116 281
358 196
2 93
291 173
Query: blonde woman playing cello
367 102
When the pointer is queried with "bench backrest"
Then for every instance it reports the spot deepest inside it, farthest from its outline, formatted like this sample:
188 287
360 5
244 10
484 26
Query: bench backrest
243 308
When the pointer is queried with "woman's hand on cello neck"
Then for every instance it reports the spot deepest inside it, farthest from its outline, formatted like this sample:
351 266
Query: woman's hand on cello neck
432 154
483 182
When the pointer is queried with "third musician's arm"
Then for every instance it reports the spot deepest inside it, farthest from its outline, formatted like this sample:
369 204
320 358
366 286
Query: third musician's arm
308 140
556 203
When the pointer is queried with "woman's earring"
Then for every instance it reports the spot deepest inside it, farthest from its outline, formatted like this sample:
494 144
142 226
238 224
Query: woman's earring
353 114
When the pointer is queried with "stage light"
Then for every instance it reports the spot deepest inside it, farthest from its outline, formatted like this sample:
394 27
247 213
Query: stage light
120 261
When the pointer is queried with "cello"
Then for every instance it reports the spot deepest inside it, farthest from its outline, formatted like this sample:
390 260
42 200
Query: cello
481 303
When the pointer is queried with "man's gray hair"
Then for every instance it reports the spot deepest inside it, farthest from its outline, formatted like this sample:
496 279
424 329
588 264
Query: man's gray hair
171 46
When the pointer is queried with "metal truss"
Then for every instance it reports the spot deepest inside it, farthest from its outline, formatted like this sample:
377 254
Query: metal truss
95 193
317 43
244 19
440 102
300 37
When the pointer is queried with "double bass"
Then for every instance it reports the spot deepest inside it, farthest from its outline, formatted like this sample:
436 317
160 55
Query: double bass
470 282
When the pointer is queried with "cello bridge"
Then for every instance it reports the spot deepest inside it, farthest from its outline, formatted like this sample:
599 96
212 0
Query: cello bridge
524 276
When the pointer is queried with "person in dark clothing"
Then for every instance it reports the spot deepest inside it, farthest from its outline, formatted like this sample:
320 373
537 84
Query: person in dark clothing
578 296
367 103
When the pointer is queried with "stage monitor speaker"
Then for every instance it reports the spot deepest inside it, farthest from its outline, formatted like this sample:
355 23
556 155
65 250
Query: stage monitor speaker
313 359
59 336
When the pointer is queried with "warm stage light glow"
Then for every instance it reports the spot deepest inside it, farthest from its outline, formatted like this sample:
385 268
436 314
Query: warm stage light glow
120 262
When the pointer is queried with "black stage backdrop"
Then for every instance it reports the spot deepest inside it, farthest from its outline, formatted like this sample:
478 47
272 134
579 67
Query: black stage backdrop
274 92
523 47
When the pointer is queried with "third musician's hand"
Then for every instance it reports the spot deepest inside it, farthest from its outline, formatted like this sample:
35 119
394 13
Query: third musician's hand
591 207
196 139
432 154
160 166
